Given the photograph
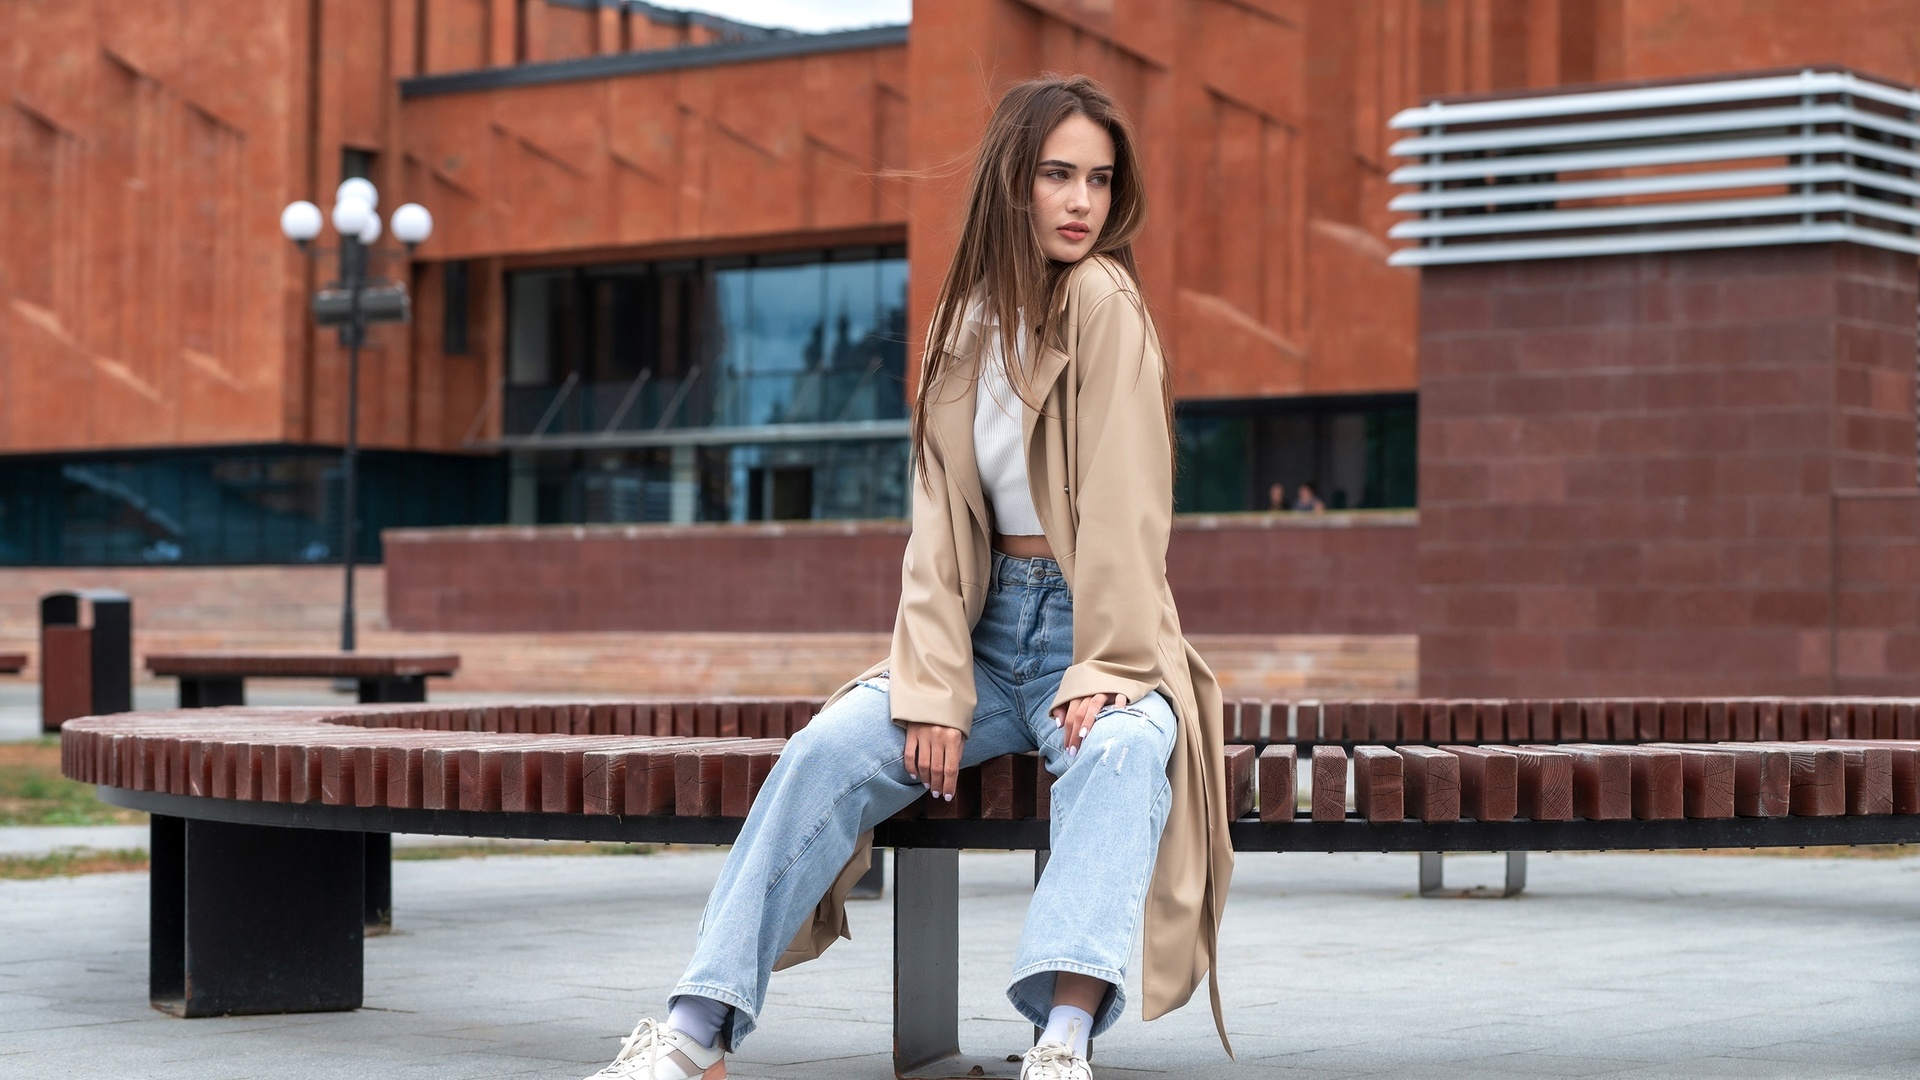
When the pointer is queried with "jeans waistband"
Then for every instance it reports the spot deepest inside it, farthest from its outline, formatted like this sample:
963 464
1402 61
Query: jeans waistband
1008 570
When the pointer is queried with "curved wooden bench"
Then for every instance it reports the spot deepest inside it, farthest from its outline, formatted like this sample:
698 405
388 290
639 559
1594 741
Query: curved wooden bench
258 813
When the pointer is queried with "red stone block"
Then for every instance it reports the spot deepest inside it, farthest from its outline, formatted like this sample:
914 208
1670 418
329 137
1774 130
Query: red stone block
1329 783
1240 785
519 779
1544 784
1431 780
1602 781
561 780
1306 722
1279 796
480 778
1383 721
603 782
1869 774
1379 783
1006 787
1818 780
1412 719
698 776
1489 783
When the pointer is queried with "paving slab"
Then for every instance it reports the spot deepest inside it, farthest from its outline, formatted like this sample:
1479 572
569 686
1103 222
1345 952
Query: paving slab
535 967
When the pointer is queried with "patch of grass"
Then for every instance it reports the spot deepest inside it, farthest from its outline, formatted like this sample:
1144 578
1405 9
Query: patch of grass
510 847
32 791
71 863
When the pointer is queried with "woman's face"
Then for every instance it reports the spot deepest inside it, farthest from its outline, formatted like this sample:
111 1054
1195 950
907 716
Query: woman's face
1072 189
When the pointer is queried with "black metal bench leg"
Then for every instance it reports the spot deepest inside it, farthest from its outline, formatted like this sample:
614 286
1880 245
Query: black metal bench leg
402 688
211 691
379 881
926 958
254 919
167 913
1430 873
380 845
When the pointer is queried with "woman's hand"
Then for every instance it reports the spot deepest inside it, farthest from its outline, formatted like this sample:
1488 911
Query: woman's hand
1077 716
933 757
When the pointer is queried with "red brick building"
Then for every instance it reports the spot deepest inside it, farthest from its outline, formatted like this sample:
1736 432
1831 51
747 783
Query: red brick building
679 263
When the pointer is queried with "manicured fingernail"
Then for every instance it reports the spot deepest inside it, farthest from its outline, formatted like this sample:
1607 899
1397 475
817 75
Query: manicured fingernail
948 796
1083 732
1072 750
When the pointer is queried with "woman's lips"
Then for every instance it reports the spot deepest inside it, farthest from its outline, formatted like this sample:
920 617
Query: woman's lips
1073 231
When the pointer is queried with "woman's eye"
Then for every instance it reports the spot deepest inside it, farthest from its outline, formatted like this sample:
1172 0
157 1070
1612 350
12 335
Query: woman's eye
1099 180
1055 175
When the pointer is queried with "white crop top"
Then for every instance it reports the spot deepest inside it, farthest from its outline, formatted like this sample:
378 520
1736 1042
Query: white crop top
998 452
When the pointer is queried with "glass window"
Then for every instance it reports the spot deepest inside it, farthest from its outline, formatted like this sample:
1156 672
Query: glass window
800 337
276 505
1354 452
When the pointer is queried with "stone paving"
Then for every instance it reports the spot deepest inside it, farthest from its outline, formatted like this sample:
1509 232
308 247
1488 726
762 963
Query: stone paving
526 966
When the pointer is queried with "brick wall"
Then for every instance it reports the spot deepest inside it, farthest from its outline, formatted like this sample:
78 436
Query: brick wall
1876 648
1231 574
1630 471
298 608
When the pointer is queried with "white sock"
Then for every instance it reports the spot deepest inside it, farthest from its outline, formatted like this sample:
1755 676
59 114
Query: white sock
1069 1027
698 1017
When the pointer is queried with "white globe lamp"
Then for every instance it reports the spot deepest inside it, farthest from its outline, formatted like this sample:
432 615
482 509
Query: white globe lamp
350 216
370 232
412 224
358 188
300 221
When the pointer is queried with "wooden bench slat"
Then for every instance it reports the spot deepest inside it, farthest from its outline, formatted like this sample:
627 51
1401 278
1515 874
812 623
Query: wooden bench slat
1279 780
1489 783
1379 785
1543 784
1431 780
1329 784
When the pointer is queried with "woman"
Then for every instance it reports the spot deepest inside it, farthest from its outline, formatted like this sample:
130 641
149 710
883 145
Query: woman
1034 615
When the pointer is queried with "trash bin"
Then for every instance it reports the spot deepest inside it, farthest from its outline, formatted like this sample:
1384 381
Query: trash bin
86 655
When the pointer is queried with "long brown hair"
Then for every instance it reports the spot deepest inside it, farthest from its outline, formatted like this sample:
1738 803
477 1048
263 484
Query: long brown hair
998 253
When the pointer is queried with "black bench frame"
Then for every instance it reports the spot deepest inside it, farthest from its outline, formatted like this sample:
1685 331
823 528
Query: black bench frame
256 907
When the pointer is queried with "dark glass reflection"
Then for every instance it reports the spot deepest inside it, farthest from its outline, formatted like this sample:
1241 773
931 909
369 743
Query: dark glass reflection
798 338
1355 452
272 505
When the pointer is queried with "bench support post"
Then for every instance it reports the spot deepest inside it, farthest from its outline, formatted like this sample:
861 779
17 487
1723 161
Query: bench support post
379 875
1430 873
211 691
926 957
254 919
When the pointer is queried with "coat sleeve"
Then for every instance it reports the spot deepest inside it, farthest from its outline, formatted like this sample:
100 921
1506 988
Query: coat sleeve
931 677
1123 498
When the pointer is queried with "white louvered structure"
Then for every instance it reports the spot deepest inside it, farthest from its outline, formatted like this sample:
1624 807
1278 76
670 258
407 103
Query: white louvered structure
1807 157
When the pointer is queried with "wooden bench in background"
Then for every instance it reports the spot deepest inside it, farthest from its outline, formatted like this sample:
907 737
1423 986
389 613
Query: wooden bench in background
259 813
12 663
220 678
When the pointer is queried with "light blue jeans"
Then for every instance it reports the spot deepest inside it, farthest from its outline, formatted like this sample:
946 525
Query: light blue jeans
843 774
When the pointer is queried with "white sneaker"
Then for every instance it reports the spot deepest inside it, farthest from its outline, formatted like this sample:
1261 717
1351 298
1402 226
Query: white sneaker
657 1052
1054 1061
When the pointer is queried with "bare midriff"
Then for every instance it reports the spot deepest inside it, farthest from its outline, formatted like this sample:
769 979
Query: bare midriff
1023 547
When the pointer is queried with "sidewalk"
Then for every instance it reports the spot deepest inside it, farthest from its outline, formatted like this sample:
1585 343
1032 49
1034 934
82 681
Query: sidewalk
1614 965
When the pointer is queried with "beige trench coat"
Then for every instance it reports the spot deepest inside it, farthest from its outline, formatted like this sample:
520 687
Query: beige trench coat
1099 466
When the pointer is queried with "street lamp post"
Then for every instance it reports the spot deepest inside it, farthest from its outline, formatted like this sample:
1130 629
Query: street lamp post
352 303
